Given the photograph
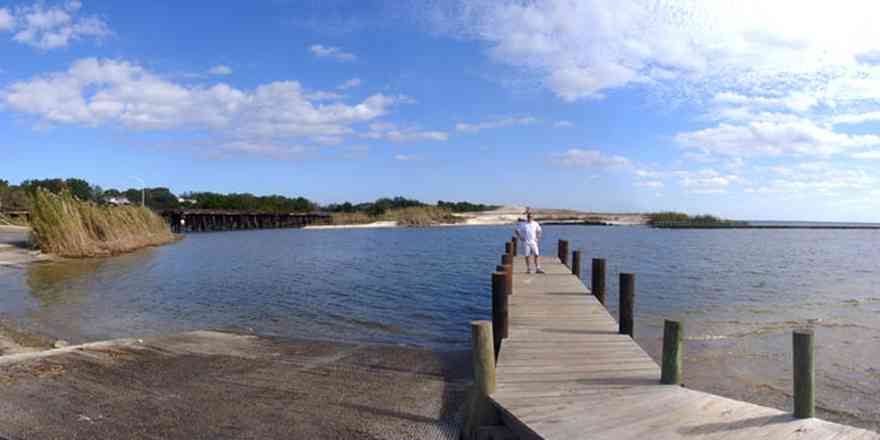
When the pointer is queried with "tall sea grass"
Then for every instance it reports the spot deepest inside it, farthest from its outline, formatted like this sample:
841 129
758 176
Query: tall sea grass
66 226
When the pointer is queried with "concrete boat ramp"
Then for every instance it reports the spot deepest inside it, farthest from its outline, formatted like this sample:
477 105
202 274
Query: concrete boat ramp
215 385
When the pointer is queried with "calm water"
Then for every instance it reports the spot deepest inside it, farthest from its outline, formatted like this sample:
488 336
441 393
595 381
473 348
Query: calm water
740 292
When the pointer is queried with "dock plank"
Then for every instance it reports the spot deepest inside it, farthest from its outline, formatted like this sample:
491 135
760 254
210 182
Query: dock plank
565 373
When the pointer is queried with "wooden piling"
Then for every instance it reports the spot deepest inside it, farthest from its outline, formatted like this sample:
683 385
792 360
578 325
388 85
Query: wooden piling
804 374
627 303
563 251
672 353
507 259
598 285
576 263
499 307
515 245
482 412
508 247
507 270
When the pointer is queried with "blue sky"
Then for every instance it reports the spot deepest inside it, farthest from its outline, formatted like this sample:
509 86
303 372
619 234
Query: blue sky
768 110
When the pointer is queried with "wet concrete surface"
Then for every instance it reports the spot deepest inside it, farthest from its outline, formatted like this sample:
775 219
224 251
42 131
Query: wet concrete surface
215 385
15 247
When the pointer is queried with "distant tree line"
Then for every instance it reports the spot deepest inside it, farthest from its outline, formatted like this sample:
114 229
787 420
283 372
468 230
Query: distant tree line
465 206
13 198
669 217
247 202
384 205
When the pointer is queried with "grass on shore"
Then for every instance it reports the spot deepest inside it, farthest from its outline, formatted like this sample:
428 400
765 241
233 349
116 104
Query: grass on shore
66 226
7 221
414 216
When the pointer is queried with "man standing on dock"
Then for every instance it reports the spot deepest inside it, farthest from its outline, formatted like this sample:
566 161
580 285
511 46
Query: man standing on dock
529 233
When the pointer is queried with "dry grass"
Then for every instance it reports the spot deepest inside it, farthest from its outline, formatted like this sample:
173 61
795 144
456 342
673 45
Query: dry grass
413 216
421 216
8 221
350 218
65 226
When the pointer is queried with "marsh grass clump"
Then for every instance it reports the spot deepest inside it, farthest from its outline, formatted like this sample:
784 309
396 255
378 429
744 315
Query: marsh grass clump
681 220
66 226
416 216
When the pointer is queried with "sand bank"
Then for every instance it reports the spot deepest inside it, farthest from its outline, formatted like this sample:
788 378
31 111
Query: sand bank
383 224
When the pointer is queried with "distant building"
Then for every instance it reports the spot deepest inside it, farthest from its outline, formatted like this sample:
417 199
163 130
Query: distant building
117 201
183 201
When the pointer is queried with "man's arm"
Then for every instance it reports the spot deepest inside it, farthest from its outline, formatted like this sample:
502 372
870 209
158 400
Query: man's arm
538 232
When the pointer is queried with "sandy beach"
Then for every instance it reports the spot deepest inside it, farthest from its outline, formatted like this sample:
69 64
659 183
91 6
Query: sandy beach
507 215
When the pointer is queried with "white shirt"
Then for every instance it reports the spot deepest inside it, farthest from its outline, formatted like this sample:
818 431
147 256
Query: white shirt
528 231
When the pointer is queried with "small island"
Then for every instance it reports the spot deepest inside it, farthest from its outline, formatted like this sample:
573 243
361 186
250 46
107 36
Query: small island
680 220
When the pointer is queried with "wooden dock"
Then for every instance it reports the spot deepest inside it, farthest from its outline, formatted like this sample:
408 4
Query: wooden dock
208 220
564 372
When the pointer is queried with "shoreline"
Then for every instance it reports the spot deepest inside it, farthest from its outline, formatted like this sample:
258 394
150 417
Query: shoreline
509 216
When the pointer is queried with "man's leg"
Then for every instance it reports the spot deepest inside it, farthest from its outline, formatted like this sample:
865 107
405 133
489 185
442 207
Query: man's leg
528 252
538 268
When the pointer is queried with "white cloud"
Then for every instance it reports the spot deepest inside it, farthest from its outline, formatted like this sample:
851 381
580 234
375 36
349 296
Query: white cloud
707 181
650 184
580 158
778 79
495 123
385 130
817 177
336 53
856 118
584 48
7 21
52 27
270 149
766 138
321 95
797 102
867 155
563 124
268 118
406 157
350 84
220 69
648 174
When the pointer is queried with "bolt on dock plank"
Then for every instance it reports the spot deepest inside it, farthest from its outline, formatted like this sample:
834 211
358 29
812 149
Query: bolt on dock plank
565 372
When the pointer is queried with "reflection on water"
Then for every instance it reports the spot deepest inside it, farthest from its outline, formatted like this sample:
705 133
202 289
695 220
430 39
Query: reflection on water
739 292
61 282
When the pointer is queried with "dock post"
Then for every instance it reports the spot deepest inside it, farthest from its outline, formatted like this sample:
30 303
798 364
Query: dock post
515 245
499 308
672 353
576 263
508 247
563 252
627 303
482 412
598 285
507 270
507 260
804 374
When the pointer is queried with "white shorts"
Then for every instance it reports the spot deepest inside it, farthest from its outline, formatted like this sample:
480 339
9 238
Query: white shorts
531 248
